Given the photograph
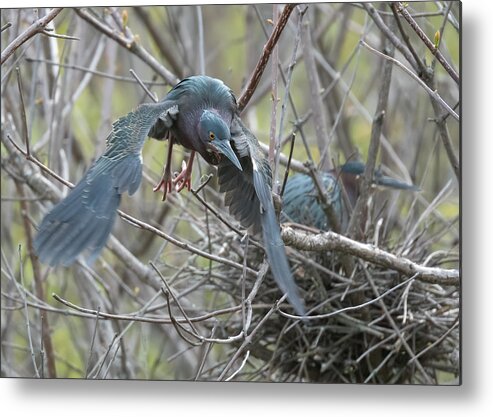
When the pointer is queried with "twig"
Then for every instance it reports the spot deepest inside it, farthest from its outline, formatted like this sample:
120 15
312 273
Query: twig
94 72
433 94
200 29
421 67
25 132
229 378
206 353
183 245
144 87
6 26
129 44
249 338
91 313
317 106
288 164
351 308
440 118
391 35
429 44
46 32
333 241
273 138
374 146
261 64
45 327
287 94
91 349
37 27
435 343
26 313
395 327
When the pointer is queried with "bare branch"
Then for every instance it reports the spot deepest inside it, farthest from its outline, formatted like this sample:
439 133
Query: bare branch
332 241
429 44
262 62
433 94
37 27
130 44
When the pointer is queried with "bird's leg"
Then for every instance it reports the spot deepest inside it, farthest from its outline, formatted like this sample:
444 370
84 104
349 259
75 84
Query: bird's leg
184 178
166 181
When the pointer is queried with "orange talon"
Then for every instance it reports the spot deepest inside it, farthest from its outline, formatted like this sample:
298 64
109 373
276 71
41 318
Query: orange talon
184 178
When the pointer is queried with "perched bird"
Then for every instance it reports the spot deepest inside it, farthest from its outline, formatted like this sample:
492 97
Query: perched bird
301 200
201 114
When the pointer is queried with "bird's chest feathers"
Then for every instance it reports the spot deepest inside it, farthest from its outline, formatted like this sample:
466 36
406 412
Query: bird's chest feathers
186 133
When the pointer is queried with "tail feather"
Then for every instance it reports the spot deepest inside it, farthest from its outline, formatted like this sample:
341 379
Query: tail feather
274 246
395 184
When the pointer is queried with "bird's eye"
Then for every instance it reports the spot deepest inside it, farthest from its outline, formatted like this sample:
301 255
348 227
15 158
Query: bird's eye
212 136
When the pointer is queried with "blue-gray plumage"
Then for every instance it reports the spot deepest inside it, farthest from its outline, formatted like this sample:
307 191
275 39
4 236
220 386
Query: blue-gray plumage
301 201
84 219
200 111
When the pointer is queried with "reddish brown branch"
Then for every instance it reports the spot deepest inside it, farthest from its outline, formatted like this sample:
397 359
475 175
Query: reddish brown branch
262 62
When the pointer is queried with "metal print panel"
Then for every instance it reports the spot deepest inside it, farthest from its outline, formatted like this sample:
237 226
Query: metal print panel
247 192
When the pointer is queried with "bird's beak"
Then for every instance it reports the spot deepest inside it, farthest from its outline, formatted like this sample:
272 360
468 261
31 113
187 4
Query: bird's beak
224 147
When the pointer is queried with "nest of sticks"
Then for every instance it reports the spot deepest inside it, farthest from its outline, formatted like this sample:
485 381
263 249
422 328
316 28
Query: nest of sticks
374 325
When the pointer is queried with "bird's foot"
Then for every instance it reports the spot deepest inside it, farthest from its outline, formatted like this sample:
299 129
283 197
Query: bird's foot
184 178
166 183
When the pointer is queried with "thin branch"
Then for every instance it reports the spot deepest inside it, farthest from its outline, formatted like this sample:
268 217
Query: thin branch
393 324
6 26
144 87
26 313
249 338
99 73
314 86
350 308
46 32
420 65
38 284
37 27
374 146
433 94
261 64
390 34
429 44
131 44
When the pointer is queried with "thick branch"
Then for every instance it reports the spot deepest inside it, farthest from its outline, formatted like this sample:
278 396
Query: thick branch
332 241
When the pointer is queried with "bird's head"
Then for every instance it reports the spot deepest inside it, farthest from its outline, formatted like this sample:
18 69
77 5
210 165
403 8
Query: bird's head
216 136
